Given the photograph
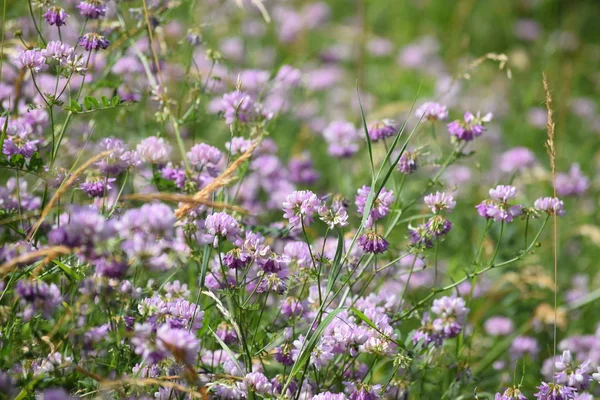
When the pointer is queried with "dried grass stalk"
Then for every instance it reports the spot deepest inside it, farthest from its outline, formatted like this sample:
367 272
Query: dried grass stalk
63 188
182 198
48 253
220 181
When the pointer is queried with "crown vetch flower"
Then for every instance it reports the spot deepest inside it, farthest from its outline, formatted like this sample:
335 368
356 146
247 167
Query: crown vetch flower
381 129
181 343
300 206
221 226
550 205
93 41
381 205
97 186
371 242
432 111
555 391
498 207
92 9
451 315
408 162
440 201
512 393
56 16
470 127
33 59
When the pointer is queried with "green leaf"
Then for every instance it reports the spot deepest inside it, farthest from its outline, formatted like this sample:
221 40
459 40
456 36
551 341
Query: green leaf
366 130
74 276
105 101
35 163
91 103
336 265
17 160
310 344
115 101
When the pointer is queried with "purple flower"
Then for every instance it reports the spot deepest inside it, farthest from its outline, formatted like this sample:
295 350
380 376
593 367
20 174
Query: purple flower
516 159
302 170
18 144
226 333
438 226
420 236
299 207
498 207
329 396
154 150
523 345
93 41
381 205
288 76
572 184
56 16
451 315
408 162
238 145
238 106
33 59
343 139
512 393
577 376
292 307
550 205
204 156
283 354
371 242
220 226
381 130
236 258
440 201
334 216
257 382
97 186
58 50
37 296
181 343
498 326
92 9
555 391
432 111
471 127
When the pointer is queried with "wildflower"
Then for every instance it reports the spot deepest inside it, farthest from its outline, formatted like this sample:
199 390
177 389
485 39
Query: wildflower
19 144
181 343
97 186
342 138
432 111
329 396
302 170
440 202
93 41
408 162
38 296
288 76
512 393
221 226
203 156
381 129
451 315
498 326
299 207
523 345
516 159
236 258
381 205
570 374
283 354
438 226
572 184
92 9
56 16
238 145
555 391
256 382
292 307
470 127
154 150
420 236
371 242
226 333
498 207
335 216
32 59
550 205
238 106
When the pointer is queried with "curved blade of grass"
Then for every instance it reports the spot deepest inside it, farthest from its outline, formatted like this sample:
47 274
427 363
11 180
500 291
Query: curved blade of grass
366 130
227 350
310 344
336 266
360 315
74 276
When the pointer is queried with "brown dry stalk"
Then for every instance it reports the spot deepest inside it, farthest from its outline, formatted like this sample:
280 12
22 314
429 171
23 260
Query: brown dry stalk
202 394
182 198
63 188
551 149
220 181
48 253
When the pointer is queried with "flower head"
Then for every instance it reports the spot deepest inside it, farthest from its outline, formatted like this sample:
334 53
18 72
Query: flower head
56 16
440 202
93 41
432 111
550 205
371 242
33 59
300 206
92 9
470 127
